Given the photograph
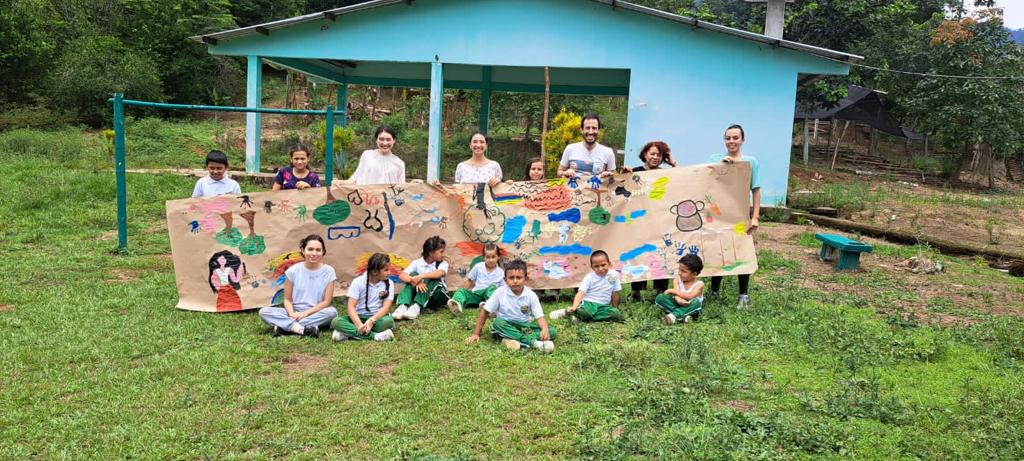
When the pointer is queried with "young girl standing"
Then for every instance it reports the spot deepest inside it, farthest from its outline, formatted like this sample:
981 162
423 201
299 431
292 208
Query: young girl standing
734 138
369 301
297 175
424 281
308 293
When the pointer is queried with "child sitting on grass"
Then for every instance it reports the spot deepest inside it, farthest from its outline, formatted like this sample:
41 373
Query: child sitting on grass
308 293
598 297
424 281
514 304
369 301
481 281
217 182
685 300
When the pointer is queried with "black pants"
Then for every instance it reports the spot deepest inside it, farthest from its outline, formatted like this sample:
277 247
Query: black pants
659 285
744 279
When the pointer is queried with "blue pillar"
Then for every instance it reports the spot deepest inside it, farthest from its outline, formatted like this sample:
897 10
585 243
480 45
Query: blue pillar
119 169
485 98
342 105
435 129
253 98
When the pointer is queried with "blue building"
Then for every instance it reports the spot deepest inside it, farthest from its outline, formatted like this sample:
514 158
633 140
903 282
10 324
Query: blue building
686 80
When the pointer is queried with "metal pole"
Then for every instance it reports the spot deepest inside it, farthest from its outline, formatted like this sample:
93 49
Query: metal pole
122 199
807 146
329 146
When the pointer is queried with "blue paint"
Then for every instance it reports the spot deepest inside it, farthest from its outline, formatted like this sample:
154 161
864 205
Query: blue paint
574 249
513 229
684 88
634 271
633 215
391 219
647 248
572 215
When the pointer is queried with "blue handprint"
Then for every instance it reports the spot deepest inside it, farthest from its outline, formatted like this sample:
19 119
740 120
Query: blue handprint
194 227
680 248
694 250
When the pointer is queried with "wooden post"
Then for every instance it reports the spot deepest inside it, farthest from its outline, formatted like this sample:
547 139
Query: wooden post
838 143
807 147
815 131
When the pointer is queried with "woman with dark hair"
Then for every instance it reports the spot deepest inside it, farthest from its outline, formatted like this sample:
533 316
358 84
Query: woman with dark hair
478 169
297 175
653 155
308 293
380 165
734 138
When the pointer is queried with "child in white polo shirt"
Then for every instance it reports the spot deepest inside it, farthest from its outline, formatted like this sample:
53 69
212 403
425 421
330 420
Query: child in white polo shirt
481 281
369 301
519 318
598 297
217 181
424 282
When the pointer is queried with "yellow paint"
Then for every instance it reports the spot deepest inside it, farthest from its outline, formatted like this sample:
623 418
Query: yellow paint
556 182
740 228
658 190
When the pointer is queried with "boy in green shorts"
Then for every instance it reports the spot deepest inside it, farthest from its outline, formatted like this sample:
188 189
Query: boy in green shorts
598 297
519 318
685 300
481 282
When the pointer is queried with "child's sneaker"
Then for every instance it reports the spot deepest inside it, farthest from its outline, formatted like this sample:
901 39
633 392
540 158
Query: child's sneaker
669 319
549 346
688 318
554 315
312 331
386 335
399 313
454 306
744 302
510 344
338 336
413 312
539 345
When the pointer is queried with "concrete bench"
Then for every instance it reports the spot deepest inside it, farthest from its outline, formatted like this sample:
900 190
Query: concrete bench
843 251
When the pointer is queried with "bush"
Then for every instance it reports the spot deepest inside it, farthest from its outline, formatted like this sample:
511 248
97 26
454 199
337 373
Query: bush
93 68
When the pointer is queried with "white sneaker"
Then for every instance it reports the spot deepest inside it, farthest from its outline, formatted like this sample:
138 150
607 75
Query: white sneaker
338 336
399 313
688 319
510 344
412 312
454 306
557 314
386 335
744 302
668 319
549 346
539 345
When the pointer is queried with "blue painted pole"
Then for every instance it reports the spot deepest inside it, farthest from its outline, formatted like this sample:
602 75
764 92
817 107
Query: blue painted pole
435 129
122 190
262 110
329 146
343 121
485 98
253 98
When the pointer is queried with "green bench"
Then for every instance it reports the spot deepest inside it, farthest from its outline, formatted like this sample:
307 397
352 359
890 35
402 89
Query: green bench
843 251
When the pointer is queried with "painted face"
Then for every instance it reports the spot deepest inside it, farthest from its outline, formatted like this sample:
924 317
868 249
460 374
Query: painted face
536 171
216 170
590 129
478 144
300 160
437 255
385 142
516 280
600 265
490 259
222 261
653 157
313 251
685 274
733 141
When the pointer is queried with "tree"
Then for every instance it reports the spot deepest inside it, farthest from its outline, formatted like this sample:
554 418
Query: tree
25 49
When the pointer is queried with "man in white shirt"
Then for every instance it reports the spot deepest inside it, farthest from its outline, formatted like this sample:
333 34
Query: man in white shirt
587 157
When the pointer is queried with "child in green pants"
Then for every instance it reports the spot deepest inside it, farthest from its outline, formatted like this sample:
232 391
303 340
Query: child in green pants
424 281
481 281
514 304
685 300
598 297
369 301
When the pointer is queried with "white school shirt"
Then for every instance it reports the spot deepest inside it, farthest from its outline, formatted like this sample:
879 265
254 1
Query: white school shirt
595 161
206 187
420 267
600 289
368 304
377 168
474 174
483 279
508 306
308 286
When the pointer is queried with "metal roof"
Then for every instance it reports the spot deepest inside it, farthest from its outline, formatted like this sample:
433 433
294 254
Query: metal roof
265 28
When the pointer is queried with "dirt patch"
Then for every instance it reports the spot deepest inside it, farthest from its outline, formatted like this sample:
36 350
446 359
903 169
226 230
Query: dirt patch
738 405
123 275
385 372
306 364
108 235
7 307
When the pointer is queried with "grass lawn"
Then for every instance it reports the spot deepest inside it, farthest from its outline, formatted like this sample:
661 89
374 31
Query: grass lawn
98 364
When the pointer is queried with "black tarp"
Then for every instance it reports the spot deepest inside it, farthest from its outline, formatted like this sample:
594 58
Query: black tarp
860 105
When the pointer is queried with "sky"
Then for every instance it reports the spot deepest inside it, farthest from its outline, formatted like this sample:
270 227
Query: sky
1013 13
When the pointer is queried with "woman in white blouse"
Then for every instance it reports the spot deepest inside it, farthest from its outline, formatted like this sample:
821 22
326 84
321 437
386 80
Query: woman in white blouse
380 165
478 169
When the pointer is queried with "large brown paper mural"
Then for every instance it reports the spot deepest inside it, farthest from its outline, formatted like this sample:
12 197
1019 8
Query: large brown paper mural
230 252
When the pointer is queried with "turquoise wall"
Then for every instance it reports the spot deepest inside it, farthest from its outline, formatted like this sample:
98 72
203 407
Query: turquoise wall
686 85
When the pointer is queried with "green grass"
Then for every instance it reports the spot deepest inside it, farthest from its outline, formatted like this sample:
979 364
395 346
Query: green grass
101 368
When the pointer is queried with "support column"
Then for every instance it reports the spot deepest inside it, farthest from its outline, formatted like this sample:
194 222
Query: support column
806 144
343 104
253 98
435 130
485 99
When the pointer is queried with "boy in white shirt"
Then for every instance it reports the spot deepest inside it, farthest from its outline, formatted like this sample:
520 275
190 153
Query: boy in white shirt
598 297
685 300
481 281
519 318
217 182
424 282
369 301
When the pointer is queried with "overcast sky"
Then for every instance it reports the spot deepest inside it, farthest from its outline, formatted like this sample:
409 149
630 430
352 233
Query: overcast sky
1013 12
